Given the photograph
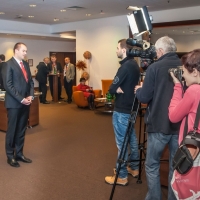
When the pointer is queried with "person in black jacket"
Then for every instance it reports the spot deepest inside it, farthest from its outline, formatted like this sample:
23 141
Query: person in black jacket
2 63
157 91
19 88
41 77
125 80
54 65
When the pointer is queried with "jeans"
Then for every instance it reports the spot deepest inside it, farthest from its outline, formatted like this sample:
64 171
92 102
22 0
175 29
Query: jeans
156 143
120 123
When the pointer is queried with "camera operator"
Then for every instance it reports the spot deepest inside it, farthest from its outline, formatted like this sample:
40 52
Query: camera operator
126 79
156 91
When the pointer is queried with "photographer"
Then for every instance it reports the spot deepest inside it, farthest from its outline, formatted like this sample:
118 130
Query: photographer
157 91
182 106
126 79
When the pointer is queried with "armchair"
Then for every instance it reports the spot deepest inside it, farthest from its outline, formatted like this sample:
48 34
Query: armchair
79 98
106 85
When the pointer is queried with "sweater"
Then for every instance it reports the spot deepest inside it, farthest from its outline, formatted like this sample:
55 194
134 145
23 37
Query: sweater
180 107
83 88
127 78
157 91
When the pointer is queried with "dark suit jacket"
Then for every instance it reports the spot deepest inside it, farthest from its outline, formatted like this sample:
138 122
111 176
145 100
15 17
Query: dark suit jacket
42 73
1 78
15 84
59 67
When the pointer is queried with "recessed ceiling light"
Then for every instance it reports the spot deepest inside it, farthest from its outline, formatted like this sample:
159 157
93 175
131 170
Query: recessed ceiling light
32 5
74 8
2 13
88 15
102 13
63 10
55 19
30 16
8 34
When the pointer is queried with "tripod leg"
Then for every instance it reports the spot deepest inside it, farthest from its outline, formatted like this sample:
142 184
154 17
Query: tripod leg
141 148
121 161
121 158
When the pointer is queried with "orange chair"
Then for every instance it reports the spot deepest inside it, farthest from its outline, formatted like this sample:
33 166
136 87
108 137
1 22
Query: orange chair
106 85
79 98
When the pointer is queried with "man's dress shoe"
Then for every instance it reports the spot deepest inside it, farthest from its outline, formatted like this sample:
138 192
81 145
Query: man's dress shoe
23 159
46 102
12 162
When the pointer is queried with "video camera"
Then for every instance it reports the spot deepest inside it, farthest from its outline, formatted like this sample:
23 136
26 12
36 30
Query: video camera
147 53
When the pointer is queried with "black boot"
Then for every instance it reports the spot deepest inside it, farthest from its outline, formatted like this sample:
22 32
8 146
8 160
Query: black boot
89 102
92 101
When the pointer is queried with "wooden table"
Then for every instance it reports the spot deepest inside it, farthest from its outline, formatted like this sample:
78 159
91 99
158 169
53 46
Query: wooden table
104 106
33 114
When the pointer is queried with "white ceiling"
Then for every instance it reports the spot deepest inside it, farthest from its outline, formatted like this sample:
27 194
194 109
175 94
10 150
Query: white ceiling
47 10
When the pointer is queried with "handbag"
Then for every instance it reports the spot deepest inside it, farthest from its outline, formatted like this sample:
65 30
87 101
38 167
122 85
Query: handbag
189 147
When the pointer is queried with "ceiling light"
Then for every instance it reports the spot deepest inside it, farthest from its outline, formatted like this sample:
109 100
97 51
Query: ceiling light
67 36
55 19
63 10
74 8
88 15
102 12
32 5
132 8
2 13
30 16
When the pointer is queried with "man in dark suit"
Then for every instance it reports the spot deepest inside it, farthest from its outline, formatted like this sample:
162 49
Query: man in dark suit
54 66
19 88
2 63
41 77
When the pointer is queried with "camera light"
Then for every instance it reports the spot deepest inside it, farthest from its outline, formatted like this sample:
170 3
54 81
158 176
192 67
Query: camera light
140 21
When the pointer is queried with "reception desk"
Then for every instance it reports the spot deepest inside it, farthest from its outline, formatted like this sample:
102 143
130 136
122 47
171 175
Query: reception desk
33 114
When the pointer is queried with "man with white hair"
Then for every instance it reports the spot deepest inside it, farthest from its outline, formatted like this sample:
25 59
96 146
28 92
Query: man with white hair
157 91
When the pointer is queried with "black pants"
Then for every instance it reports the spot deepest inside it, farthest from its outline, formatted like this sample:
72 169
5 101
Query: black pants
43 89
91 101
17 124
51 86
68 89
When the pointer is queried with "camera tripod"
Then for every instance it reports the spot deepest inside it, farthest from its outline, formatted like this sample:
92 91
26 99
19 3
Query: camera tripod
141 146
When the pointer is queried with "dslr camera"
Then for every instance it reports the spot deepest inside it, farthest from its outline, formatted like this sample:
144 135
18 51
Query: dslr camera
178 72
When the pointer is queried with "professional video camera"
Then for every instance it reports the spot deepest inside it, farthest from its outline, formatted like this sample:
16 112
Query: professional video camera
147 53
178 72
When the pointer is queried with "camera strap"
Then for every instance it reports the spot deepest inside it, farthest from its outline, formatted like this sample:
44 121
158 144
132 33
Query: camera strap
193 137
196 123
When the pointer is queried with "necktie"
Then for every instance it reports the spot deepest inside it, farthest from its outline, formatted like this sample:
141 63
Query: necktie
24 71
